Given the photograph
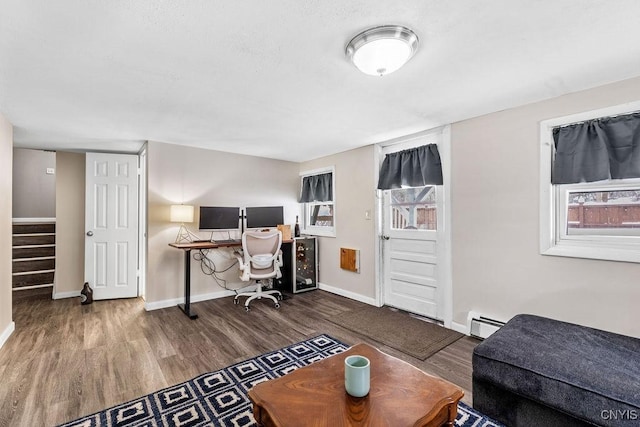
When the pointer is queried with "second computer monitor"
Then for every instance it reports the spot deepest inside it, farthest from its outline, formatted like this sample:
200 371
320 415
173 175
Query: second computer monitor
264 216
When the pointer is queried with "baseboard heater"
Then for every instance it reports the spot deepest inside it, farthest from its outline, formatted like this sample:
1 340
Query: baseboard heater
481 326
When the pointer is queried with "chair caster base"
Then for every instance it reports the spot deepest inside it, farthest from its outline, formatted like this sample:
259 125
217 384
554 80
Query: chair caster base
274 296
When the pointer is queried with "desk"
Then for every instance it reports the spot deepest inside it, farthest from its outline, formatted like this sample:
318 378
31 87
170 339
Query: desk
187 248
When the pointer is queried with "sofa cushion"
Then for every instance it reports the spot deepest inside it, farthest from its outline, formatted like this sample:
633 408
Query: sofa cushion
592 374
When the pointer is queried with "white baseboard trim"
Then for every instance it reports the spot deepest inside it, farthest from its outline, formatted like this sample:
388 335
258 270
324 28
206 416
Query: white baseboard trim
7 333
156 305
460 327
69 294
347 294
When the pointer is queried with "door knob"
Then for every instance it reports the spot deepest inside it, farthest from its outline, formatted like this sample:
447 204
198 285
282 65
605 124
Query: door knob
383 237
89 233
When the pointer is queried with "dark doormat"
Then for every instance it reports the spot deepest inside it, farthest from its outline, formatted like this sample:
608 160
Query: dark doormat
398 330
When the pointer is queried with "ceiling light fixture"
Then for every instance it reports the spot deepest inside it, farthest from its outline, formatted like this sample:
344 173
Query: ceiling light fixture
382 50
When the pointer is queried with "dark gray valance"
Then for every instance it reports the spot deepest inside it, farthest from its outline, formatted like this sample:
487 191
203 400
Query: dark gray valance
415 167
595 150
317 188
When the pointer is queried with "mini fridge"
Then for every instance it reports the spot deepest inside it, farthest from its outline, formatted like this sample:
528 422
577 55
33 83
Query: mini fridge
305 264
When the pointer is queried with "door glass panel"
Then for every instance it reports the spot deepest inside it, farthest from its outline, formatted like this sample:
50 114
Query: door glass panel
413 208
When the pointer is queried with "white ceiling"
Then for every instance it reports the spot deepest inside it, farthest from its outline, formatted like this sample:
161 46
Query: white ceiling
270 78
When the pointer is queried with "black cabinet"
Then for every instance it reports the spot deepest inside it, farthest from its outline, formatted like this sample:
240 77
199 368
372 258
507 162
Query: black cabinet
305 264
284 283
300 265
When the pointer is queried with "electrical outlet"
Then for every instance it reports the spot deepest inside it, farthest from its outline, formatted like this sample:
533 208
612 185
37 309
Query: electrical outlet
51 171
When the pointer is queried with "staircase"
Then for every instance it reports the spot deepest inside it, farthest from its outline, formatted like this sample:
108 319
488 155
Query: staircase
34 250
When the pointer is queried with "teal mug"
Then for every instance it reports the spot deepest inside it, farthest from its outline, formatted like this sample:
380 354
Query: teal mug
357 374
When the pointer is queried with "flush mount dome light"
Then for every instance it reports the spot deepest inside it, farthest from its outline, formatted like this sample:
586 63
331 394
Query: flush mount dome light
382 50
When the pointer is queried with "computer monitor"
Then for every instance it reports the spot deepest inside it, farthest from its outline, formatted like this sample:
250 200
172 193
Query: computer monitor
219 218
265 216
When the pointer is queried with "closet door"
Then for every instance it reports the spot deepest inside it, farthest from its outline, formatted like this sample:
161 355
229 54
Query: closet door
111 225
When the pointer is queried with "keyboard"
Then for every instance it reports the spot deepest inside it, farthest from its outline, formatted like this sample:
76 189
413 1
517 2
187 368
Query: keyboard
228 241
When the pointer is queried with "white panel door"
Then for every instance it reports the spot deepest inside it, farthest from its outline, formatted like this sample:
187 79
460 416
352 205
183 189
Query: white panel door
410 250
111 223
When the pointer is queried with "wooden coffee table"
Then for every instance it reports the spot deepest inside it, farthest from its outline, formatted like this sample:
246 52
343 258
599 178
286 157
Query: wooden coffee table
400 395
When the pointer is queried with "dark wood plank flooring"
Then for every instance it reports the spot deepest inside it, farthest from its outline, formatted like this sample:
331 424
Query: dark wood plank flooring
65 360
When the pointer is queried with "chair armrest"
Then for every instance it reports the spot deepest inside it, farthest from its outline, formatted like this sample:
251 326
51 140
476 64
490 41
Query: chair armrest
243 268
241 265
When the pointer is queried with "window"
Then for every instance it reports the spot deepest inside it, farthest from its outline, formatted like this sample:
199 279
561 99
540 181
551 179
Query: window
320 214
318 206
413 208
601 212
599 219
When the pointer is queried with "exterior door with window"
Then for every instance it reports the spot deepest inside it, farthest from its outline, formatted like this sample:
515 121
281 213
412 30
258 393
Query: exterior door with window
111 223
411 250
414 252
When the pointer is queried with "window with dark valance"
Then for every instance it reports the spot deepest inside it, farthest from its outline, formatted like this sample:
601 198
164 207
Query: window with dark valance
596 150
317 188
590 184
415 167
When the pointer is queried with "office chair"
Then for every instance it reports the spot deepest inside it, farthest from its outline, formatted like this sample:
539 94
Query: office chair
261 259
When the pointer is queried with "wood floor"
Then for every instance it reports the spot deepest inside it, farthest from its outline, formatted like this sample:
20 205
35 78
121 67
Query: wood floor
65 360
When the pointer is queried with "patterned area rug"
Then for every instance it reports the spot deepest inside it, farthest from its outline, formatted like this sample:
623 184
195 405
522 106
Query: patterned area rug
220 398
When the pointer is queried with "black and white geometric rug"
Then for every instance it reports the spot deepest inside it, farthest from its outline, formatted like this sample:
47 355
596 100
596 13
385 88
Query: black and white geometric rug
220 398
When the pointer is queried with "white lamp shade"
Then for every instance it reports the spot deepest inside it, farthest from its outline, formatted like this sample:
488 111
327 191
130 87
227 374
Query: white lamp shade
181 213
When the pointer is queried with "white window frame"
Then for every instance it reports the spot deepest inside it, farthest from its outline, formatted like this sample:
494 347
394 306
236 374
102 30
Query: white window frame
553 200
306 228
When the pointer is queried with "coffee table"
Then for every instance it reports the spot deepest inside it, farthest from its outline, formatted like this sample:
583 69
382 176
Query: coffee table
400 395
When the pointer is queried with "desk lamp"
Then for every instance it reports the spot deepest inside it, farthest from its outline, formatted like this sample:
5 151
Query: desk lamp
182 214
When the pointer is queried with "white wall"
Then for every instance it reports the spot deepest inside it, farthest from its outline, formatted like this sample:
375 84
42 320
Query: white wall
354 194
70 238
34 191
178 174
497 268
6 158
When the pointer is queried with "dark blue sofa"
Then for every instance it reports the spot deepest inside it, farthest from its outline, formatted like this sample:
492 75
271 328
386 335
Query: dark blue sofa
536 371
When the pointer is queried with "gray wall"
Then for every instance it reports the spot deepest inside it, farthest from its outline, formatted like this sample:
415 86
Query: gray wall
354 194
497 267
177 174
70 238
34 192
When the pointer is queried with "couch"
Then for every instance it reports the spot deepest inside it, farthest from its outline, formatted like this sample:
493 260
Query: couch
536 371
